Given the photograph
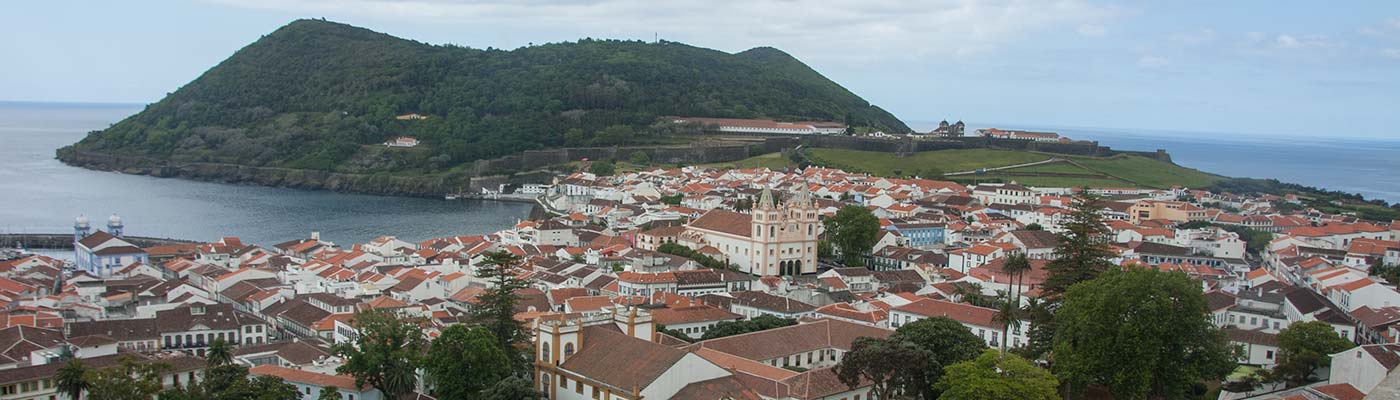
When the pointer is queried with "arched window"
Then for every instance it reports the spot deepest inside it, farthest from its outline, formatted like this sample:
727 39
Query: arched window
568 350
772 231
811 229
544 350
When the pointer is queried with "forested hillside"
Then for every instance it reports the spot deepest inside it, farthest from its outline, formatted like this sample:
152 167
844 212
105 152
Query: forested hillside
319 95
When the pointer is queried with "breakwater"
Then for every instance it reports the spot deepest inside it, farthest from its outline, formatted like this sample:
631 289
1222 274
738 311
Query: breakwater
64 241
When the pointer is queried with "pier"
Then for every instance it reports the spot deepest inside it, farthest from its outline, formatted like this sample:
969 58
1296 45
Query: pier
64 241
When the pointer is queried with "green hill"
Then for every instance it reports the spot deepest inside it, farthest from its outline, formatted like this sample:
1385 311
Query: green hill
320 95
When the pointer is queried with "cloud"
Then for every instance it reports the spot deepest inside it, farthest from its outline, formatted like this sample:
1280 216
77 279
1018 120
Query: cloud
1091 30
1391 53
1202 36
1285 41
1151 61
852 30
1388 28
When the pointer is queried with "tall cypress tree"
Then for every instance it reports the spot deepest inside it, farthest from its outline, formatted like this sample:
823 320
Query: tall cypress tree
495 308
1083 251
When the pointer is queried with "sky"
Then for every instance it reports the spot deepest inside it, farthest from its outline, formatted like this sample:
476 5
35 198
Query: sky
1237 67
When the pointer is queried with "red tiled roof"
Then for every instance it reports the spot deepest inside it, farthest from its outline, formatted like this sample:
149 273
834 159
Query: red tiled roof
307 377
725 221
965 313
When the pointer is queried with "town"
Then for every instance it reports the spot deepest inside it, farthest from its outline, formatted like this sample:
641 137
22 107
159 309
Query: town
698 283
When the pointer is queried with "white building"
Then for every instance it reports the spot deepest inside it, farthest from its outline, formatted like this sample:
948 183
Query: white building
771 241
1363 367
981 321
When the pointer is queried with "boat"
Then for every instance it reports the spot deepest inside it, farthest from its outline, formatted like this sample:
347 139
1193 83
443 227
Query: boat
452 196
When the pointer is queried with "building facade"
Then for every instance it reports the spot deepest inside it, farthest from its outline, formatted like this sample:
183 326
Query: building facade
772 240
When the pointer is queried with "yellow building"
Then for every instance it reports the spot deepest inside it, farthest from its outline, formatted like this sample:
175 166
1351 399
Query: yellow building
1169 210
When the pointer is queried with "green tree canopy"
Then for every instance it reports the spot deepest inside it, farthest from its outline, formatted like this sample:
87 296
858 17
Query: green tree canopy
130 379
1304 347
323 95
944 342
512 388
387 353
1082 252
759 323
854 231
1140 333
218 353
461 362
639 158
71 379
602 168
231 382
328 393
997 376
495 307
885 363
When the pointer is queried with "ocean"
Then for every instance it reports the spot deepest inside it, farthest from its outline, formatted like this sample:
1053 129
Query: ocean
1365 166
38 194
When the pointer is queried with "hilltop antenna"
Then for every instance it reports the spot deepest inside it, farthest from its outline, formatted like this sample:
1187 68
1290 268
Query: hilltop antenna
655 37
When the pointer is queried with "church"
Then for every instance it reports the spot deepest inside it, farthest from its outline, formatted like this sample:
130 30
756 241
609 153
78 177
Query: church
100 253
770 240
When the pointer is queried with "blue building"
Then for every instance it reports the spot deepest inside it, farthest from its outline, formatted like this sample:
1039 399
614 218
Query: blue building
920 234
102 253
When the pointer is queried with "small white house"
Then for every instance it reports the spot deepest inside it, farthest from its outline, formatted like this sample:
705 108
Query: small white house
402 141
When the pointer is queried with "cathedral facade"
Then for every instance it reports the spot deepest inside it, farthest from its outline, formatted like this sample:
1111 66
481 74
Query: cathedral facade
773 239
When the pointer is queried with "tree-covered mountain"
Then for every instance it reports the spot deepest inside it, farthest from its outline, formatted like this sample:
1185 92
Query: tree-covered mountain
319 95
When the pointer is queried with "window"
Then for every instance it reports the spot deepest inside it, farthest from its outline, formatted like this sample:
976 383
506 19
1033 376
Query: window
1269 354
563 381
568 349
578 387
595 392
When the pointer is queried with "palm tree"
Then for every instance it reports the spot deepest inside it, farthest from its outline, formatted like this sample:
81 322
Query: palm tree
218 354
1007 316
1015 267
71 379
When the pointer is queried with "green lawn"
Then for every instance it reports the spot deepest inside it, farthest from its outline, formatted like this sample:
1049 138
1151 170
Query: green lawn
1045 181
1151 173
1059 168
943 161
1130 170
773 161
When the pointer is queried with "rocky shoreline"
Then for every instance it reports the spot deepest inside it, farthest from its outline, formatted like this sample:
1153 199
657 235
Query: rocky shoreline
377 184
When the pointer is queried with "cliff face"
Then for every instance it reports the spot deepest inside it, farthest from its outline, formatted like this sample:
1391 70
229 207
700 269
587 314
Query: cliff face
381 184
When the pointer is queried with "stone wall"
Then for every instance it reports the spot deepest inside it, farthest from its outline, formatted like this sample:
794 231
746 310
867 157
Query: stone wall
537 159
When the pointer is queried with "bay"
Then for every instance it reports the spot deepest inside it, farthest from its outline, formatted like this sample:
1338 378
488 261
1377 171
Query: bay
38 194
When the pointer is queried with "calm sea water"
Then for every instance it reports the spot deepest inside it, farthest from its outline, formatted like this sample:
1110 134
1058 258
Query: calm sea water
38 194
1370 167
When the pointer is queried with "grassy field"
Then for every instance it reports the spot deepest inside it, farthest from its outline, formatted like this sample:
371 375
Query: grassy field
1046 181
773 161
1117 171
886 164
1151 173
1058 168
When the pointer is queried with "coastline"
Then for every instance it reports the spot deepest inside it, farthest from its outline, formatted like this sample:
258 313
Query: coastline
428 186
